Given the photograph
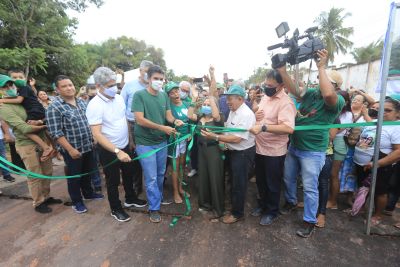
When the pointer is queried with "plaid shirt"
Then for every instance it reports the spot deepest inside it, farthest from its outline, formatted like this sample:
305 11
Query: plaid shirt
69 121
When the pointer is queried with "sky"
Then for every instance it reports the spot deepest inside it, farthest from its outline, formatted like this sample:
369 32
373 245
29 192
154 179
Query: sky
231 35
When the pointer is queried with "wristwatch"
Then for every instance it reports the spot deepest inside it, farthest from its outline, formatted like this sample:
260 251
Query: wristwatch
116 150
216 137
264 128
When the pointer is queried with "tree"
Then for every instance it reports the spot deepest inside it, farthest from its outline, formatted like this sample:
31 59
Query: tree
40 24
258 76
333 33
368 53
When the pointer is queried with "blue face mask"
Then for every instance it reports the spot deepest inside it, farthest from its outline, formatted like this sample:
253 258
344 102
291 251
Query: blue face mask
206 110
111 91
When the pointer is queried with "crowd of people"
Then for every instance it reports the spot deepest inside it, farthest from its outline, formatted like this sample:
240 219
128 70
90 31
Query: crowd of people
238 131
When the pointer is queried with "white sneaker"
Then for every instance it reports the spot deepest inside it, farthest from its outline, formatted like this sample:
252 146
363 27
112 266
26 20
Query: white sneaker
192 173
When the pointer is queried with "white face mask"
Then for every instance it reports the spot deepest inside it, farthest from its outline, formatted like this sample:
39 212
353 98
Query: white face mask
183 94
111 91
145 77
157 85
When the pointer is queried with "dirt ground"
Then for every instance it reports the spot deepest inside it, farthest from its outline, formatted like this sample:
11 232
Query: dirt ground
63 238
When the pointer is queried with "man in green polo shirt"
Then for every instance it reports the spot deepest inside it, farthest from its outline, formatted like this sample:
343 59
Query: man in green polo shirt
306 153
152 112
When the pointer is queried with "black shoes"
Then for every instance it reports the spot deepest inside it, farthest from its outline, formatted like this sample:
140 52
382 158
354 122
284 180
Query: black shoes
9 178
287 208
51 201
307 230
138 203
43 208
120 215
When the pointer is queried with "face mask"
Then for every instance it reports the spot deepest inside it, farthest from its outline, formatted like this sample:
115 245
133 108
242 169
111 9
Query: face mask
157 85
145 78
206 110
372 113
11 92
20 83
269 91
182 94
111 91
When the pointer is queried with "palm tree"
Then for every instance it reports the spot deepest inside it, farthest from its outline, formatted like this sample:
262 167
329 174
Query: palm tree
371 52
333 33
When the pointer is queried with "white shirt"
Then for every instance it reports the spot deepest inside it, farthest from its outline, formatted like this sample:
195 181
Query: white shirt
110 113
242 118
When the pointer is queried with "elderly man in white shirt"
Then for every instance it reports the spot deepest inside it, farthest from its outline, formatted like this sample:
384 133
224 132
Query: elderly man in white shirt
241 147
107 119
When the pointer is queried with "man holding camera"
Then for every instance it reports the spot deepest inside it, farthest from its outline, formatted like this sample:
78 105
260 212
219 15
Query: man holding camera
306 153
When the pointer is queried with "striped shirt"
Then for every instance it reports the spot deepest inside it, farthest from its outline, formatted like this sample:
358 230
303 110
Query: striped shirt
70 121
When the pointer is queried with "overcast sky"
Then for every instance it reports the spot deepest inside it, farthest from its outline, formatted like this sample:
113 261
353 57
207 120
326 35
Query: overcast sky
231 35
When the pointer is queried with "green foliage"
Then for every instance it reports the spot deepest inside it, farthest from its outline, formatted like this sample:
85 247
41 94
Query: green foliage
368 53
333 33
21 57
258 76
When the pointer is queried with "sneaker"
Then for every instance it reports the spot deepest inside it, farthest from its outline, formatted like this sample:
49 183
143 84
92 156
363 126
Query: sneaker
166 201
192 173
287 208
52 200
9 178
79 207
256 212
120 215
154 216
267 219
94 196
307 230
138 203
42 208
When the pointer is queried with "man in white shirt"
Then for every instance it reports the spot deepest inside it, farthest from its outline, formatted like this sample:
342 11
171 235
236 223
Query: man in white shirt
107 119
241 147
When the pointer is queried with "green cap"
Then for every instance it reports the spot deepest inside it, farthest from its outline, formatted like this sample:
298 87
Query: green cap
4 79
169 86
236 90
220 85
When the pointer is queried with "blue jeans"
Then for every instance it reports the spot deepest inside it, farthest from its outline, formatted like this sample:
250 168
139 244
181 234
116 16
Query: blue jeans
323 184
153 169
3 155
309 164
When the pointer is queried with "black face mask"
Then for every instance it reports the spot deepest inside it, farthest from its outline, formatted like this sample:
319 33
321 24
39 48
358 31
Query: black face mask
269 91
372 113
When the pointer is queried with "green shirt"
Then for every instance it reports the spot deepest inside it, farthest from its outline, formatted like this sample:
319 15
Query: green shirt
180 113
15 116
154 108
314 111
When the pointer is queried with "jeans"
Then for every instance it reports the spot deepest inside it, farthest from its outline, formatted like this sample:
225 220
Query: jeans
323 184
153 169
3 155
84 164
96 178
239 165
113 177
269 172
310 164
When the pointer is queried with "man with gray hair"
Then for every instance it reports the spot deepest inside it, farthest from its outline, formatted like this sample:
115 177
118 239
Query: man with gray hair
184 91
127 92
106 114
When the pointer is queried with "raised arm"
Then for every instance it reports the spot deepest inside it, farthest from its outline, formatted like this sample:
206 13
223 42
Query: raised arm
326 87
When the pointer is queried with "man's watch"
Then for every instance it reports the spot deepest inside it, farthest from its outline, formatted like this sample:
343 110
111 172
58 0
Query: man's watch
117 150
264 128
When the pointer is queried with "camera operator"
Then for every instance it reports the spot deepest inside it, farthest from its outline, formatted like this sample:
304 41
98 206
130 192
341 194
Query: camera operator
306 152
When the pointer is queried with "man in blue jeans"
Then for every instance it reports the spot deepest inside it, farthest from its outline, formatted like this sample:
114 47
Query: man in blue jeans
306 153
69 127
152 112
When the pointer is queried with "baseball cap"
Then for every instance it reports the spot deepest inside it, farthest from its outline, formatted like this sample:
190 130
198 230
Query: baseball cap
169 86
335 77
236 90
5 79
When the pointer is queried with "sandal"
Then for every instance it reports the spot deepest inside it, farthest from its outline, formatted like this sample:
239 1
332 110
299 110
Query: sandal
178 200
320 222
